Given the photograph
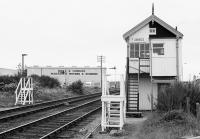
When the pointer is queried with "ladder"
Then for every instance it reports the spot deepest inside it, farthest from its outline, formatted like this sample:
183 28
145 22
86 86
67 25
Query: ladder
24 91
113 107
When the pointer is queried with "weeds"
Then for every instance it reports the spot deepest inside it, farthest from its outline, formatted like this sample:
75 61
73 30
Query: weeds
174 97
170 125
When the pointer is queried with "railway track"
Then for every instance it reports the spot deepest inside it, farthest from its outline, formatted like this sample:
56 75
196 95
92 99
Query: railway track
49 119
52 125
25 110
16 117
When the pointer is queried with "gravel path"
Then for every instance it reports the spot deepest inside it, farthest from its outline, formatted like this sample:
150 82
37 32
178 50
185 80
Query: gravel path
132 128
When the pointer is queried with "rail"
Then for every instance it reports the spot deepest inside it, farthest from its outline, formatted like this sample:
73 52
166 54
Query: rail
4 115
8 132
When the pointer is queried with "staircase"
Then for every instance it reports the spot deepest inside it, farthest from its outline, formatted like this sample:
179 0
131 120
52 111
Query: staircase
113 107
133 93
24 91
114 113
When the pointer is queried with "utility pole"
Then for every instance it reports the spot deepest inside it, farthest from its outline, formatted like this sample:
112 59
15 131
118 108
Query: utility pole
115 75
23 55
101 59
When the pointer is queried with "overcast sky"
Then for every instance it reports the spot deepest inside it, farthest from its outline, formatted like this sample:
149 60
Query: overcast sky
74 32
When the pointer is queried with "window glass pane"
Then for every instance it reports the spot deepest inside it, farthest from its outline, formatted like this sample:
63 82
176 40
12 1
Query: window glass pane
147 47
132 46
142 47
131 54
132 51
147 54
158 49
157 45
142 54
136 54
137 46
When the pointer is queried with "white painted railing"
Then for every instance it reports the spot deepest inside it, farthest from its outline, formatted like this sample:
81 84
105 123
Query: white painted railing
113 106
24 91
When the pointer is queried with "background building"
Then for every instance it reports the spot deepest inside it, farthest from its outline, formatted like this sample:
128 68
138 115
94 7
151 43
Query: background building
5 71
90 76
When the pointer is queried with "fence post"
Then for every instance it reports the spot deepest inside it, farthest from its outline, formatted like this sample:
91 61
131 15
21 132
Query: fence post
188 105
198 111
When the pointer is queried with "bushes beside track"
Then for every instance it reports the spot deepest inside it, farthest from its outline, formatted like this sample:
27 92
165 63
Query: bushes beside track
9 83
45 81
76 87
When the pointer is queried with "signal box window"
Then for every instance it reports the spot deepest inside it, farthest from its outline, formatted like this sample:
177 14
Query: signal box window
139 50
158 48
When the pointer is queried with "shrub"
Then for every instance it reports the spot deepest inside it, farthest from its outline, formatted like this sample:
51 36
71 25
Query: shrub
9 83
174 97
76 87
46 81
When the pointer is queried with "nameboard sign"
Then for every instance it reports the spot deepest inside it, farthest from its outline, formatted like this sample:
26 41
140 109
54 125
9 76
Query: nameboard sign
138 39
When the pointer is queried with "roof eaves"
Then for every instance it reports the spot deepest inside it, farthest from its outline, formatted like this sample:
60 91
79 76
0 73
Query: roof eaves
167 26
147 20
137 27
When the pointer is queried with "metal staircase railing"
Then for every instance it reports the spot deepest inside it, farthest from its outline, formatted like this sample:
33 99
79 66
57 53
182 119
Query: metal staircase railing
24 91
132 84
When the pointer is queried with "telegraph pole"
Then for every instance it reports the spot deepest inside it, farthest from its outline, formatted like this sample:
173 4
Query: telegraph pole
23 55
101 59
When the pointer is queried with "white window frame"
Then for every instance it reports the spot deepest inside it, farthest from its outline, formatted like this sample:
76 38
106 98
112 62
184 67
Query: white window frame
163 47
152 31
139 50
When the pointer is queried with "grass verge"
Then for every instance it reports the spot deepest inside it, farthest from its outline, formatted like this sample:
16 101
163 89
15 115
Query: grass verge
7 99
169 125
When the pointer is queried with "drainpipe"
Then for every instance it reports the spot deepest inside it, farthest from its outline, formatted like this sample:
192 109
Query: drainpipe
151 52
177 59
127 71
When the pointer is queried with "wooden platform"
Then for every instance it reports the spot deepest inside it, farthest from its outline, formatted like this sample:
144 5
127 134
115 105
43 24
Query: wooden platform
134 114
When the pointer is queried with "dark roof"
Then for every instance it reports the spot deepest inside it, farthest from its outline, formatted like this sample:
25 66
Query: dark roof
149 19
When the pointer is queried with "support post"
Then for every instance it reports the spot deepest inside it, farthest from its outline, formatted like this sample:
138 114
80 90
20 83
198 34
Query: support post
198 111
188 105
177 59
151 68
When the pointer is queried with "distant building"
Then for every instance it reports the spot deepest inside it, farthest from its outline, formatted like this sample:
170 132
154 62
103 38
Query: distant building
5 71
90 76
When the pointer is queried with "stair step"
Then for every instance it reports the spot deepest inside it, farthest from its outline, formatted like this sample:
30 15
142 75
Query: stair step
133 97
133 81
130 83
129 102
132 88
131 108
133 84
144 65
133 93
